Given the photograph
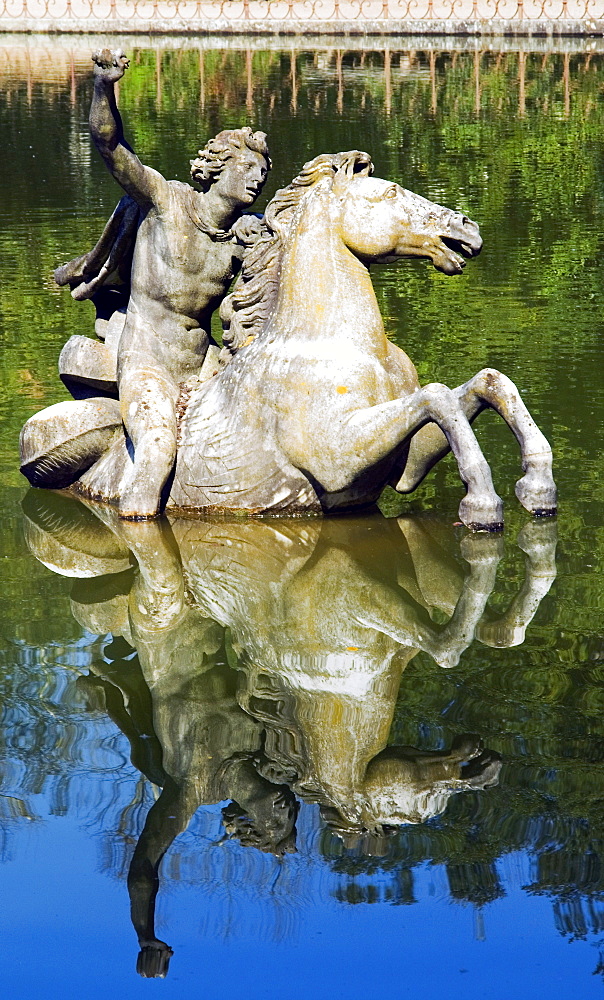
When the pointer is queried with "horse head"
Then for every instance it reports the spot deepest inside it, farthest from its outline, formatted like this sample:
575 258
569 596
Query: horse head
403 786
381 221
376 219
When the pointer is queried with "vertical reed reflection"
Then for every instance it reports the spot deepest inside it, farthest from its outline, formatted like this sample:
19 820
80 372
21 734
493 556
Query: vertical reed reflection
393 78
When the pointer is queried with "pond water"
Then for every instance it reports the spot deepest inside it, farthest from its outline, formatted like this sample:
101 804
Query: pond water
370 752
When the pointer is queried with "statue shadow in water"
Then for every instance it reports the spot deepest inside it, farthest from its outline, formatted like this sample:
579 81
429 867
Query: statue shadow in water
270 656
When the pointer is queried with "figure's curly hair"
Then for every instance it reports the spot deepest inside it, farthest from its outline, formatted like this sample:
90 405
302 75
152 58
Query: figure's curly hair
211 160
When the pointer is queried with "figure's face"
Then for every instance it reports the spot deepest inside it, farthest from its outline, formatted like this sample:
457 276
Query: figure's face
243 176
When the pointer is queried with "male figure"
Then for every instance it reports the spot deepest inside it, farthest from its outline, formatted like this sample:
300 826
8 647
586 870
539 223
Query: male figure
185 256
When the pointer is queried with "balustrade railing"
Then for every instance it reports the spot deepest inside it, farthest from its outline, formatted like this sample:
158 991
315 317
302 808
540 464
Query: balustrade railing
585 13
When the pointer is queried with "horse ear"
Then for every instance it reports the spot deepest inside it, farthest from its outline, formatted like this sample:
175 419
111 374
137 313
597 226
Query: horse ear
353 162
349 165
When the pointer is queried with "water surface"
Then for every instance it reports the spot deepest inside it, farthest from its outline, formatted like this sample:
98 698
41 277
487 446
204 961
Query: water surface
272 737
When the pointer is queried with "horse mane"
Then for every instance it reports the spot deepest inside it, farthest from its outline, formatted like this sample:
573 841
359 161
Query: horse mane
247 309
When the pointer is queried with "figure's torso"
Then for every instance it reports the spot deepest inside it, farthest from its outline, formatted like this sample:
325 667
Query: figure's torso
179 276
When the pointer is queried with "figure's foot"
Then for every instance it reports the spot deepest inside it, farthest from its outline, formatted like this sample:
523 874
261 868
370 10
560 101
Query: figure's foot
154 959
482 513
138 502
537 493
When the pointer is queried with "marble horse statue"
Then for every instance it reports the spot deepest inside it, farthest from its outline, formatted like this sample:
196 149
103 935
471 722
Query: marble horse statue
312 408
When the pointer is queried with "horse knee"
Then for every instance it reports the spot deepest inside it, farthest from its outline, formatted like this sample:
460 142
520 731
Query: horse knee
492 384
489 375
439 400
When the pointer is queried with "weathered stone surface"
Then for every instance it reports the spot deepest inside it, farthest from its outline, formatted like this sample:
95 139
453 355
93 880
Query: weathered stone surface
88 368
62 441
308 407
171 252
111 330
103 480
315 409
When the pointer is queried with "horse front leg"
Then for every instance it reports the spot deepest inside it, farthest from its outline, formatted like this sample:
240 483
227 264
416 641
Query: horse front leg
481 509
366 436
536 490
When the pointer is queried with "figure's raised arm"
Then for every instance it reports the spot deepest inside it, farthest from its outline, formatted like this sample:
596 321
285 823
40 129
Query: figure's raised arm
142 183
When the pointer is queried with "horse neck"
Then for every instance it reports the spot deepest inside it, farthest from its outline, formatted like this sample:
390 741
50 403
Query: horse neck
324 289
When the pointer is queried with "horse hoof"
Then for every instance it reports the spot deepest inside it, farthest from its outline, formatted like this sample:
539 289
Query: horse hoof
481 516
540 500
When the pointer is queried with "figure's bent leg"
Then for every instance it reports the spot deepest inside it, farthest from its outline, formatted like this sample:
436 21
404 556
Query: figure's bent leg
148 398
536 490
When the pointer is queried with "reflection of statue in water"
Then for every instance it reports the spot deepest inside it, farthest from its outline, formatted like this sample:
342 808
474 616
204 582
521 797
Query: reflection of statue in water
319 619
169 254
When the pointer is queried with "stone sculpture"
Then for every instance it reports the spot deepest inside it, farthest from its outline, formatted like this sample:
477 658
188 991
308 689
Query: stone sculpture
177 250
318 621
312 409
